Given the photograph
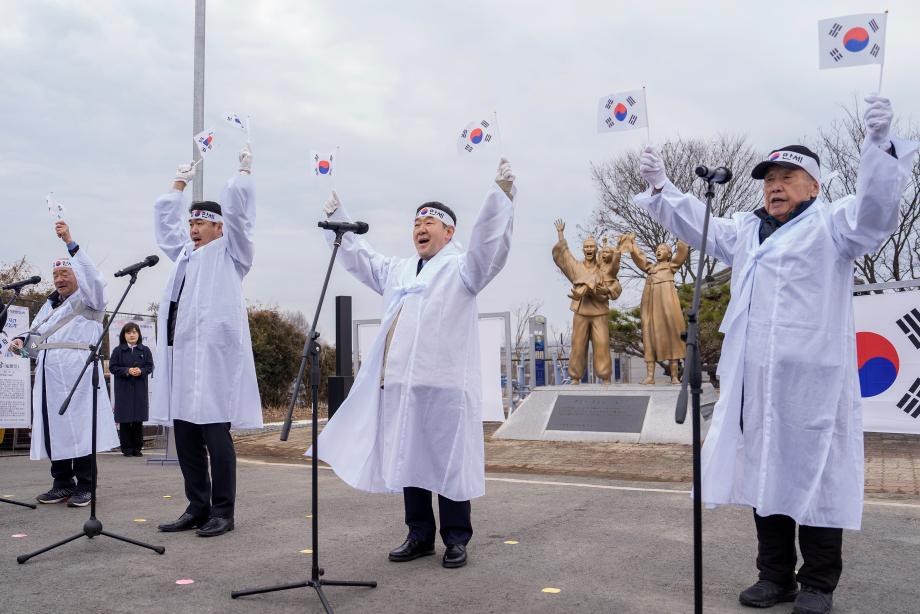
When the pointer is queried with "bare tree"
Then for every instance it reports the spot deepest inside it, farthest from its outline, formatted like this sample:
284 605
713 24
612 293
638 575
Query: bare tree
618 180
839 149
522 314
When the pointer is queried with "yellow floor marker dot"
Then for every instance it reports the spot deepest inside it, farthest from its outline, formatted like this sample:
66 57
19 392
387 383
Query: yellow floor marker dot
309 516
306 551
552 591
140 520
511 542
167 496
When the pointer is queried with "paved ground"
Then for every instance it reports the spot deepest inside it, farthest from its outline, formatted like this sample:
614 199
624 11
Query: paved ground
608 546
892 461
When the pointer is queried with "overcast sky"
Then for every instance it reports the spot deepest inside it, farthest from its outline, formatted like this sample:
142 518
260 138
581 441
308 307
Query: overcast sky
97 100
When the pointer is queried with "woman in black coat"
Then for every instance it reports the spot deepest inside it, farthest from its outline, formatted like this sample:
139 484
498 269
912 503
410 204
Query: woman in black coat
130 364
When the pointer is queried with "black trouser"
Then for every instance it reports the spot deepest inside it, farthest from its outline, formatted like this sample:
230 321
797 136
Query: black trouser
131 436
821 552
212 496
456 527
65 470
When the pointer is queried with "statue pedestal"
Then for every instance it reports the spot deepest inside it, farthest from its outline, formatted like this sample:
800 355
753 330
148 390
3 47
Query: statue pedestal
625 413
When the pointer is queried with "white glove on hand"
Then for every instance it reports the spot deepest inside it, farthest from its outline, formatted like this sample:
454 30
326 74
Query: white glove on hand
877 118
651 167
246 160
505 178
185 173
332 204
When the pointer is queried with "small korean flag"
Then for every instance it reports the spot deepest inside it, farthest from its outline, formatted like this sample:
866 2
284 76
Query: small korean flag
623 111
323 164
854 40
236 121
475 136
55 209
204 141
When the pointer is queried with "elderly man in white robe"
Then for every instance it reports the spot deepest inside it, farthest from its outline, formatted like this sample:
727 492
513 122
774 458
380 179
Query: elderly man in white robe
64 328
786 437
412 422
208 384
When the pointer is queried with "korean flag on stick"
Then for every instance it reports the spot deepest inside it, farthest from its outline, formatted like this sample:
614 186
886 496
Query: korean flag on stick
623 111
204 141
323 164
474 137
854 40
237 122
55 209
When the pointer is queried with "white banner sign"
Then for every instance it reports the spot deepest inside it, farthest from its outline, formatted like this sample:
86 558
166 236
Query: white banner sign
15 383
888 356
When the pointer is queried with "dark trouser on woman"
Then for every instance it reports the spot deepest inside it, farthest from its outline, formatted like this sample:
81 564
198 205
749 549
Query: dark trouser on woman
456 527
131 436
821 553
214 495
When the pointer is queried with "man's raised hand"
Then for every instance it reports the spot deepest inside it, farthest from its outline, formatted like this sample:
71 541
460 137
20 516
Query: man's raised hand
877 119
246 160
184 175
651 167
505 178
332 204
63 231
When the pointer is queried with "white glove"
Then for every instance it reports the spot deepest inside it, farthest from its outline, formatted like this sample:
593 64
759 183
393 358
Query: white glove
877 118
185 173
504 178
651 167
246 160
332 204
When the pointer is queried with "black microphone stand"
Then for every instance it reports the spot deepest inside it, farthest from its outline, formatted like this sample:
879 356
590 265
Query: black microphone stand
693 376
3 312
311 351
93 527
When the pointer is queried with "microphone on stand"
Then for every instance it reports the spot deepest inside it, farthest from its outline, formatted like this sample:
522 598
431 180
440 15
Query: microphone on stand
21 284
359 228
714 175
134 268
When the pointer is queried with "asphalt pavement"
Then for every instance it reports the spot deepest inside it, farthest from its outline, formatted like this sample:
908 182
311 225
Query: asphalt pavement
602 545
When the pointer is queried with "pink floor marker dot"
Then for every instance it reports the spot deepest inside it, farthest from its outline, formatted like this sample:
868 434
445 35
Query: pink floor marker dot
185 581
18 535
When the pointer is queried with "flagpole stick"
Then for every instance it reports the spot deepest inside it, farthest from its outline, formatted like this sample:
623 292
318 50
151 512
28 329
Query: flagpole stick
648 124
249 130
498 132
335 164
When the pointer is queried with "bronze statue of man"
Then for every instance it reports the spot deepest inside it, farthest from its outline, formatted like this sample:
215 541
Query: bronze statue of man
594 284
661 315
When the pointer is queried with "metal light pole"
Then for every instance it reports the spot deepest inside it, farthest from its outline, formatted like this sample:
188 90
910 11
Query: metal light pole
198 98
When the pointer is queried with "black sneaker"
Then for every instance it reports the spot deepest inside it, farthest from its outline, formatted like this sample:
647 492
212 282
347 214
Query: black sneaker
765 594
80 498
813 601
55 495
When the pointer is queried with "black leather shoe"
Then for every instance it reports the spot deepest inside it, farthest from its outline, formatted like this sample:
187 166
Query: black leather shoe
813 601
765 594
454 556
411 550
215 526
185 522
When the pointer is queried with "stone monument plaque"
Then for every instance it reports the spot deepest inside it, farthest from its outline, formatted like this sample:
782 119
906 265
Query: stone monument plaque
607 414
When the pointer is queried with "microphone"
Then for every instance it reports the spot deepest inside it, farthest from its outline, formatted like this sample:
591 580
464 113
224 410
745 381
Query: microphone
359 228
714 175
134 268
21 284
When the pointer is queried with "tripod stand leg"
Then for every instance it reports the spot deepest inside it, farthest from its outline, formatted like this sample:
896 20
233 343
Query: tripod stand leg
157 549
368 584
268 589
11 501
22 558
322 597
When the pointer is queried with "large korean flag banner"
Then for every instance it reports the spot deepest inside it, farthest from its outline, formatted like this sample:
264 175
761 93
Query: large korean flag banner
854 40
888 356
